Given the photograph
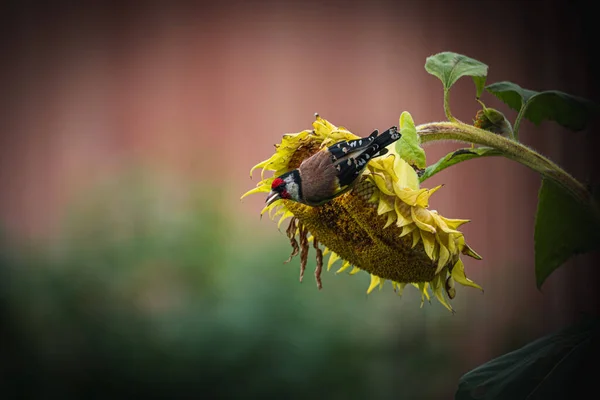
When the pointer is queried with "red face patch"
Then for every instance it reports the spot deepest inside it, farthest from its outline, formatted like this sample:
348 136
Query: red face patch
285 194
276 182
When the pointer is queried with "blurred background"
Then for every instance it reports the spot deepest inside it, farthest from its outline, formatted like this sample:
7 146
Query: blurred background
128 264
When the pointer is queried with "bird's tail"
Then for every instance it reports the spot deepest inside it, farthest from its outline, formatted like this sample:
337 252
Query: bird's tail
378 147
351 163
386 138
368 147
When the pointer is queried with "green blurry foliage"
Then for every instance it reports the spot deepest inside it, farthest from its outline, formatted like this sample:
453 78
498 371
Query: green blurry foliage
147 296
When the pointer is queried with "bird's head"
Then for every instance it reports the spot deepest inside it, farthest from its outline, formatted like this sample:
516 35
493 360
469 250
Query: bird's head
286 186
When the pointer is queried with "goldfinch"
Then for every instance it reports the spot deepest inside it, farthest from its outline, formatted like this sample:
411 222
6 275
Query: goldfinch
331 171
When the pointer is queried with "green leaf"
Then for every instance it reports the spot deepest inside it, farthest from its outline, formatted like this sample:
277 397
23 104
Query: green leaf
450 67
455 157
409 145
569 111
564 226
479 82
547 368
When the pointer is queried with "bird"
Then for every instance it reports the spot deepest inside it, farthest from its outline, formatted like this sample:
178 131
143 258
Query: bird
331 171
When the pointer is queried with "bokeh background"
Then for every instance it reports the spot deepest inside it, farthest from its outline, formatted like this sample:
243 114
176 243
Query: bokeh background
129 266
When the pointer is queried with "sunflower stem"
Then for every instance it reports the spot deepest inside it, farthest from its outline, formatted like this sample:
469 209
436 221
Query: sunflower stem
514 150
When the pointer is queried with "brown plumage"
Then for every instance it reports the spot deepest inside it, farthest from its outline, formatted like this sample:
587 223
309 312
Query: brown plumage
319 177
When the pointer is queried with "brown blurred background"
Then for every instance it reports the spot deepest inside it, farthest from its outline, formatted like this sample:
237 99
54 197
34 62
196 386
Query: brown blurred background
185 97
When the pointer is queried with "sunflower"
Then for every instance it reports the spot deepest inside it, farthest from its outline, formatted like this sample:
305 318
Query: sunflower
382 226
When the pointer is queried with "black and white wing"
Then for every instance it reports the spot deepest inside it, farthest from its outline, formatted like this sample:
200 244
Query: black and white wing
351 157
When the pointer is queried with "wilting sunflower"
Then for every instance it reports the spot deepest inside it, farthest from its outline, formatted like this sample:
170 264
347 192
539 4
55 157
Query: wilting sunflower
382 226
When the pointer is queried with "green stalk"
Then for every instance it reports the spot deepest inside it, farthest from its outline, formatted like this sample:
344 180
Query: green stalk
447 105
518 120
461 132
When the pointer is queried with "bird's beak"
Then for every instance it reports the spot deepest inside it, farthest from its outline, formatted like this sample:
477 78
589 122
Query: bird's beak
273 196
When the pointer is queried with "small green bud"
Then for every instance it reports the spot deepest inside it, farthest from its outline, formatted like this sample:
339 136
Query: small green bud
493 121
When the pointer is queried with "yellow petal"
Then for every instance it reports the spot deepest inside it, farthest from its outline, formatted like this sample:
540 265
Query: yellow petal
416 236
422 199
279 209
286 215
407 195
274 161
428 243
450 289
402 213
327 142
454 223
375 280
342 133
391 217
259 189
375 165
451 243
332 258
458 274
269 208
470 252
354 270
444 257
422 286
384 205
407 177
291 141
406 229
399 287
438 291
387 164
344 267
441 224
261 164
323 127
422 217
436 251
460 242
374 197
381 184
